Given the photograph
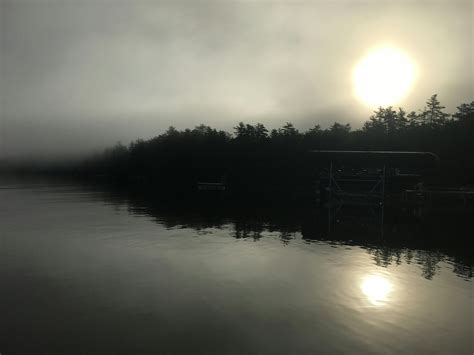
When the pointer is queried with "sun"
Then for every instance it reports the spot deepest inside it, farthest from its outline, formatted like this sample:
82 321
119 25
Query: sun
384 77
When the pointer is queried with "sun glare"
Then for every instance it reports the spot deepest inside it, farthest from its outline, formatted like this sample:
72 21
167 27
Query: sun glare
376 289
384 77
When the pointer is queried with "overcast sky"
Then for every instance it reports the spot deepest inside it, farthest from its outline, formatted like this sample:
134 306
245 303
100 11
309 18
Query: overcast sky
80 75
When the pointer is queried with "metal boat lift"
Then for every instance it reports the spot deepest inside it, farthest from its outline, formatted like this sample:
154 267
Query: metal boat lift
359 178
368 191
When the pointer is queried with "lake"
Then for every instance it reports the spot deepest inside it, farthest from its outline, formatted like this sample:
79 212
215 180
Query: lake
92 270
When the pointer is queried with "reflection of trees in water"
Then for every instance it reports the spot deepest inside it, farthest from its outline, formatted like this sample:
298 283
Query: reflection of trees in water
428 261
247 223
244 230
386 256
463 270
286 236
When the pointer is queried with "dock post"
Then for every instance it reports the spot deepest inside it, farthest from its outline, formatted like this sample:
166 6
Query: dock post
329 197
383 199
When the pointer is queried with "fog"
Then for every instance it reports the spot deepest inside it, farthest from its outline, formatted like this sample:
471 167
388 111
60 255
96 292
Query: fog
77 76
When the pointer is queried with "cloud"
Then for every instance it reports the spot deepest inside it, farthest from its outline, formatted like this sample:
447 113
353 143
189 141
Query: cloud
97 72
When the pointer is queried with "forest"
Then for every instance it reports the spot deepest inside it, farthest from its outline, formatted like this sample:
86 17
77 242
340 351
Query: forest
256 160
261 162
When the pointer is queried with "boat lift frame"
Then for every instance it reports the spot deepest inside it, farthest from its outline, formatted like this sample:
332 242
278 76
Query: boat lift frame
373 197
364 189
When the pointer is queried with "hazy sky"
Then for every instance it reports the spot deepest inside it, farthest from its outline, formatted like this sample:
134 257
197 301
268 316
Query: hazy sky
80 75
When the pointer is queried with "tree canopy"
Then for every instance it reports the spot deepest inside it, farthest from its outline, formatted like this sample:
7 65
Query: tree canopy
253 154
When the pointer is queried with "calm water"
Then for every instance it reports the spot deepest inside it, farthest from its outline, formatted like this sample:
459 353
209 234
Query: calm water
85 271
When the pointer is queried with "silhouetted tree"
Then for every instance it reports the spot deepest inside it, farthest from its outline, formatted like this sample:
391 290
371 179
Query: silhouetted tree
314 132
254 160
433 114
288 130
340 129
465 112
247 131
402 119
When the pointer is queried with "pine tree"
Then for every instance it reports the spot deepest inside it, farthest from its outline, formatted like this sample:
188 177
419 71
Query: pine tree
465 112
413 119
402 119
433 114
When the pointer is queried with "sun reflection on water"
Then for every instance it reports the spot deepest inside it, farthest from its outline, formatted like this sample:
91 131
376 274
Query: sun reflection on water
376 288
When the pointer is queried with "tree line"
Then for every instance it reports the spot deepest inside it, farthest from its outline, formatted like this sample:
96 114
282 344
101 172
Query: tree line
254 158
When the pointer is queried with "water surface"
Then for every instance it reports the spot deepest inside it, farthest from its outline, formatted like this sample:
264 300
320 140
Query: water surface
86 271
